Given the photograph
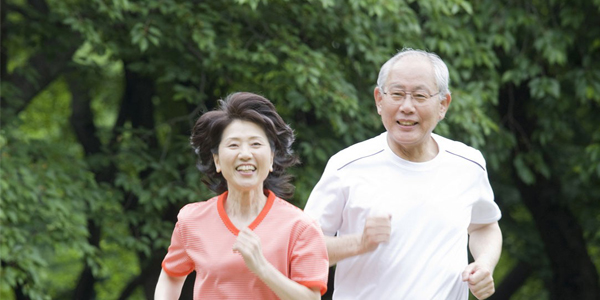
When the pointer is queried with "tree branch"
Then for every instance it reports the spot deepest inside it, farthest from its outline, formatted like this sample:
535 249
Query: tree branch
45 66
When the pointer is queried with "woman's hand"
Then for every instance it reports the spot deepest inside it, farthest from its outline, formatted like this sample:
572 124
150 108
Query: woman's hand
248 245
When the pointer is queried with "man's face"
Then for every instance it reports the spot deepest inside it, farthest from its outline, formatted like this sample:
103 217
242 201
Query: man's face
408 122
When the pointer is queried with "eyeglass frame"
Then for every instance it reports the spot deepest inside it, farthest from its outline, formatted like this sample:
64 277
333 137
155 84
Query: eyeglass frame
416 101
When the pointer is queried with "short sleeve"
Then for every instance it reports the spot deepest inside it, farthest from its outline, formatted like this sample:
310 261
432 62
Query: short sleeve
309 263
326 201
177 262
485 210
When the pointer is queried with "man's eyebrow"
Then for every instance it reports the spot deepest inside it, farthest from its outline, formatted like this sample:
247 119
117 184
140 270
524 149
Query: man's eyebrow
418 87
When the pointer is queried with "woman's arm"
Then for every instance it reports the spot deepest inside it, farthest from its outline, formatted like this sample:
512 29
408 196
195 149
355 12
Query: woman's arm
168 287
284 287
248 245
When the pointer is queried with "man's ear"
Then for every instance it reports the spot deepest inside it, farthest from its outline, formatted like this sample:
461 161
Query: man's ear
378 95
444 105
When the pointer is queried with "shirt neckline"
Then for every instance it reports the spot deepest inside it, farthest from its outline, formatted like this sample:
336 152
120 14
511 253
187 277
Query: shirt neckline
415 166
255 223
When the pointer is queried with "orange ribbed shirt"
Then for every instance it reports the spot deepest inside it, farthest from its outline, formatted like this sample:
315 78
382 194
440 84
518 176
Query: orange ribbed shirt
204 236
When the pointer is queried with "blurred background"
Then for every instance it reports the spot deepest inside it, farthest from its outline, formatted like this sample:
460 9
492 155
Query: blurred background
98 98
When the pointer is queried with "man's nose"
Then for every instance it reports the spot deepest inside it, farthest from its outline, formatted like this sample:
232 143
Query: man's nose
407 105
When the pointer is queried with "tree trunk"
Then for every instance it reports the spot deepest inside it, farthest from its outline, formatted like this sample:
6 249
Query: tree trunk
574 274
512 282
82 123
3 50
20 294
87 280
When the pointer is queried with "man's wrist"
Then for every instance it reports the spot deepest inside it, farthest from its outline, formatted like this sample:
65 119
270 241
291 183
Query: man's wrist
361 247
486 263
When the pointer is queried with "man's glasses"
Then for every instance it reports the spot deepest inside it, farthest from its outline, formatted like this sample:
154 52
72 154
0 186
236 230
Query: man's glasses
419 97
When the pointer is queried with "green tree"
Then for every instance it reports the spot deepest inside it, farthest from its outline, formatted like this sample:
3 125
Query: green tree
98 98
548 104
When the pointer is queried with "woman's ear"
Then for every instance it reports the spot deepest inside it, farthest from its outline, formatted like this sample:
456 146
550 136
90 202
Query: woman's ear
217 164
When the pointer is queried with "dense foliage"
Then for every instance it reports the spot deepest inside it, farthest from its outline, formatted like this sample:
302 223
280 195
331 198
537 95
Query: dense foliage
98 98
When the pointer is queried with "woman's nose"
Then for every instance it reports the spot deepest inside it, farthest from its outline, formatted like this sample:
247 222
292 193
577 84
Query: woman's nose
245 152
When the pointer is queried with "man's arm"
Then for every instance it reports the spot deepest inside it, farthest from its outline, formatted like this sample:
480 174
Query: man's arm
341 247
485 243
377 230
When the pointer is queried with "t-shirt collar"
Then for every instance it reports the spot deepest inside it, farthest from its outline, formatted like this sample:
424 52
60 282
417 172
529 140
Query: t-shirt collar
255 223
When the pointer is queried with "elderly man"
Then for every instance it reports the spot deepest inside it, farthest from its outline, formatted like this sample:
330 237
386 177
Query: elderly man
398 210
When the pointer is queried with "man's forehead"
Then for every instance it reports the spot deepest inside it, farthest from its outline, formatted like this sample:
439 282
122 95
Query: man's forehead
412 59
413 68
401 85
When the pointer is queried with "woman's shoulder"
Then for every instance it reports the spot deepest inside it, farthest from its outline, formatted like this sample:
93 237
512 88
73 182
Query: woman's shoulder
194 209
291 213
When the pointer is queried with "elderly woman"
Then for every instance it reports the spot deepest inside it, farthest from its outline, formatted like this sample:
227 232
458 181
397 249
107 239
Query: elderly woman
245 243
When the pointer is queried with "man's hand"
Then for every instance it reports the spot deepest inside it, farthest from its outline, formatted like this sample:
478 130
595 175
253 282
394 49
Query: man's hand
485 243
377 230
479 278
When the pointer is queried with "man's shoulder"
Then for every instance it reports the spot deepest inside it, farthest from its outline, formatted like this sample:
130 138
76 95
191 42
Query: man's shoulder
358 151
461 150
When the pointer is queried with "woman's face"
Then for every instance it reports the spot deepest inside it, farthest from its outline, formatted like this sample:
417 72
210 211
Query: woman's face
245 157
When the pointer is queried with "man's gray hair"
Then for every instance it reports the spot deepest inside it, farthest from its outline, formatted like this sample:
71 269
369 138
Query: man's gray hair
440 69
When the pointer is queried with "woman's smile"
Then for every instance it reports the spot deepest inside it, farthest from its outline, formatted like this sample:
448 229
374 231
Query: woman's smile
244 157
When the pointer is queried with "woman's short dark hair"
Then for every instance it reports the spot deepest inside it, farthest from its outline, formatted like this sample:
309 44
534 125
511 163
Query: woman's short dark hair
208 130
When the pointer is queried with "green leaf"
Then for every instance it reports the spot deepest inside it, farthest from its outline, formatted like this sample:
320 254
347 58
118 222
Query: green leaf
523 171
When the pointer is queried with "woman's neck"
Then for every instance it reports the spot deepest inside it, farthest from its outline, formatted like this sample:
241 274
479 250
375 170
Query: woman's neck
242 207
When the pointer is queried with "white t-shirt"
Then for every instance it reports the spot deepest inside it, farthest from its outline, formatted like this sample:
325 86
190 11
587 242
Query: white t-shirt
431 203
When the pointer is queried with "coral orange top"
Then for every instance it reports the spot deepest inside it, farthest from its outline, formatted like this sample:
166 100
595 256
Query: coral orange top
204 236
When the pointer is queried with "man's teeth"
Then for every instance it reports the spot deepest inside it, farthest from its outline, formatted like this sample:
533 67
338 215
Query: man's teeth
246 168
406 123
